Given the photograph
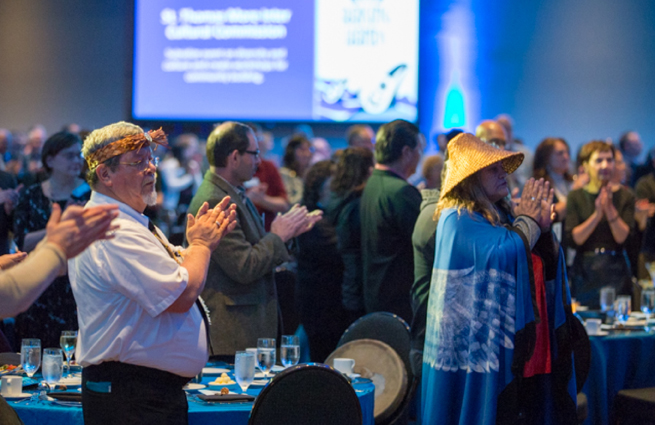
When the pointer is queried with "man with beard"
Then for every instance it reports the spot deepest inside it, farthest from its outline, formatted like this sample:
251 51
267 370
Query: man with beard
142 333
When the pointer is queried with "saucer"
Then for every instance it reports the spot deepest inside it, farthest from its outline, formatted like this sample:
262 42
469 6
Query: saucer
214 370
18 397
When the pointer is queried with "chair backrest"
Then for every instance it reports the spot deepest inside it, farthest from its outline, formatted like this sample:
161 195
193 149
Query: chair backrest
380 363
386 327
10 358
7 415
581 352
311 393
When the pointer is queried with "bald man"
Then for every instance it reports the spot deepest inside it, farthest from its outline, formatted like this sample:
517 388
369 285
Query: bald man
524 172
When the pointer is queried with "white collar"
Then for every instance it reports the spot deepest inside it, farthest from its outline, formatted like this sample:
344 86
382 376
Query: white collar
98 198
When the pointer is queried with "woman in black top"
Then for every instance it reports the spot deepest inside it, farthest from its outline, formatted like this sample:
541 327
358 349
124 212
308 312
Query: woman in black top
55 310
598 222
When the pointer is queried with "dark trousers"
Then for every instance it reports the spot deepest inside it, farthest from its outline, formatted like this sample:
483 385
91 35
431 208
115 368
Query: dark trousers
119 393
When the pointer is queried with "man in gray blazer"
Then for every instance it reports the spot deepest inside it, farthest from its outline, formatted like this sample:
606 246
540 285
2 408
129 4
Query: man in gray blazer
240 290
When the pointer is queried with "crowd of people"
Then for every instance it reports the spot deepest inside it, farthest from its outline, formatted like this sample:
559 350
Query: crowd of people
195 248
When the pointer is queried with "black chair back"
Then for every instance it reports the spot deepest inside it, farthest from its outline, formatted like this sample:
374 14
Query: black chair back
395 332
386 327
311 393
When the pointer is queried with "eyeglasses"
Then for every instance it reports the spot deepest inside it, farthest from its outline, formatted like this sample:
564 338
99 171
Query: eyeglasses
253 153
499 143
143 164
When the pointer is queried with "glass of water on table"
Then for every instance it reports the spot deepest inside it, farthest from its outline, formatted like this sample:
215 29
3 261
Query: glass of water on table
266 355
53 365
290 350
30 355
244 369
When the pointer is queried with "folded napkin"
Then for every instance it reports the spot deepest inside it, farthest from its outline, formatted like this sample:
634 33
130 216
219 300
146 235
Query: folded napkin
227 398
66 396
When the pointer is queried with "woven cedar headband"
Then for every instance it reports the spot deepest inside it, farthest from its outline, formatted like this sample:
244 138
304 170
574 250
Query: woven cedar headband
126 144
467 155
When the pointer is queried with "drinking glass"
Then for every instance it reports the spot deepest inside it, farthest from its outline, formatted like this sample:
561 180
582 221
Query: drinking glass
244 369
266 355
67 341
290 350
30 355
648 302
623 308
53 365
607 298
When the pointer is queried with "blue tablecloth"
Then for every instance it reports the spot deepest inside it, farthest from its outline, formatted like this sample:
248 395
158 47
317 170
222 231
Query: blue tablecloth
618 361
48 413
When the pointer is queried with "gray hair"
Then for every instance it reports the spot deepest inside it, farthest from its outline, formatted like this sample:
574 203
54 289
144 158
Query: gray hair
100 138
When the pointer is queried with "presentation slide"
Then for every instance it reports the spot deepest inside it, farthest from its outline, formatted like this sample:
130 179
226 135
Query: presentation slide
276 60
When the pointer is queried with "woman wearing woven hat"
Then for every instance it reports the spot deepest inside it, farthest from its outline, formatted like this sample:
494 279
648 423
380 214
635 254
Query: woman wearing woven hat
497 343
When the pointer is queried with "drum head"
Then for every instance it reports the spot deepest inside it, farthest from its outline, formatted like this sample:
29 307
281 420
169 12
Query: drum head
381 364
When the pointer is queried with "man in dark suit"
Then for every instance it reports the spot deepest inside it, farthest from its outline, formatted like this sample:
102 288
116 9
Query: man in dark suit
389 208
240 290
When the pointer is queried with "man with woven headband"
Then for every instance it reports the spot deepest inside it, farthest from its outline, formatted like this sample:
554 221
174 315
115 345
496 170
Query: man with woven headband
497 344
142 333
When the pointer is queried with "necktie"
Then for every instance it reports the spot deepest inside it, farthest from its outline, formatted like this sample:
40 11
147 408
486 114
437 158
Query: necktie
204 311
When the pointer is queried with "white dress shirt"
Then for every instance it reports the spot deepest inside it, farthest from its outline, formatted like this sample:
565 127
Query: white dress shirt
122 287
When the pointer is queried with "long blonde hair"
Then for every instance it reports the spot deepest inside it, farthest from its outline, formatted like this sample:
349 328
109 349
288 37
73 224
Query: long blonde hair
469 196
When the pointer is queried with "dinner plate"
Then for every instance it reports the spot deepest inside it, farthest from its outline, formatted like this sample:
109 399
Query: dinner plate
19 396
211 392
214 370
70 381
600 333
193 386
277 368
260 382
261 375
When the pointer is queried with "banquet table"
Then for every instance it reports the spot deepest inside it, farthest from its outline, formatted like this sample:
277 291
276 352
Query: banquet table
619 360
200 413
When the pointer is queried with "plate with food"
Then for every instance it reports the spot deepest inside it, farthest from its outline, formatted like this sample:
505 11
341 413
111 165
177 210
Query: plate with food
222 380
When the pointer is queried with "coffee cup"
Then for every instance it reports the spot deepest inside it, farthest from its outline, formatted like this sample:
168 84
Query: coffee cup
344 365
593 326
12 386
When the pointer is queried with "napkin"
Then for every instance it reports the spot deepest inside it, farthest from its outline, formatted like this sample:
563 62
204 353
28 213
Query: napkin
66 396
227 398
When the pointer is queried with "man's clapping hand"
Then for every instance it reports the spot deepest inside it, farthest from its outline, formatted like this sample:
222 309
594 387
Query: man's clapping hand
209 226
295 222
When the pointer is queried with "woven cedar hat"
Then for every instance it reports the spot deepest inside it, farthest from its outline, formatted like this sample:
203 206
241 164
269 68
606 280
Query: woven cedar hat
467 155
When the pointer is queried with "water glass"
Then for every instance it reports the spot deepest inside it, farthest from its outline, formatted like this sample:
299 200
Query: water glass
290 350
623 308
30 355
607 298
67 341
266 354
244 369
53 365
648 301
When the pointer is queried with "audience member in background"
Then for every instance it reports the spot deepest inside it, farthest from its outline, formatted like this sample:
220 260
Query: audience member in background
491 132
266 189
444 138
180 178
389 208
494 355
645 209
598 222
360 135
320 270
431 172
55 310
552 162
322 150
631 146
353 169
515 144
5 144
8 201
240 290
36 136
296 161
